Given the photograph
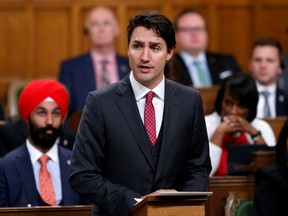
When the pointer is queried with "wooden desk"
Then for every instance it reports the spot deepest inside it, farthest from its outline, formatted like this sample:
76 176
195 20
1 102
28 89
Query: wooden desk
222 187
81 210
167 206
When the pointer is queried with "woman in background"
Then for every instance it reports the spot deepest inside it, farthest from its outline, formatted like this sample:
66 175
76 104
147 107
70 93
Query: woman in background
234 121
271 183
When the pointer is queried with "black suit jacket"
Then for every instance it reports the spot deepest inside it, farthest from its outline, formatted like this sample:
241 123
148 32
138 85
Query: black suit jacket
271 191
112 162
220 67
17 182
281 102
77 74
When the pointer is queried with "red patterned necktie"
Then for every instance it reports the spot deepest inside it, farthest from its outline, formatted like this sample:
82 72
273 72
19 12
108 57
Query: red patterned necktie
45 181
149 117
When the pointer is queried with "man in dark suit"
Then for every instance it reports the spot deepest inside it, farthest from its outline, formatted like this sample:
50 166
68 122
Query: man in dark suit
193 65
144 134
101 66
266 66
43 105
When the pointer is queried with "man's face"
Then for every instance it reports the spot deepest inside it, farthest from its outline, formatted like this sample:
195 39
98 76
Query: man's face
148 55
265 64
191 34
45 124
102 27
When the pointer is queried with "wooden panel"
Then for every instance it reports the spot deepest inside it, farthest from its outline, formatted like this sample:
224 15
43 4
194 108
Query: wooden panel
51 40
274 23
14 41
234 32
222 187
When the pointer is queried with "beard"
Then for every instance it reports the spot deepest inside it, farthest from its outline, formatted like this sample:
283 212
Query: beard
40 137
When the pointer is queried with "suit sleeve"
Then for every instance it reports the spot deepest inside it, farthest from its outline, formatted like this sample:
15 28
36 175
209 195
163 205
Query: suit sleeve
88 164
3 188
199 164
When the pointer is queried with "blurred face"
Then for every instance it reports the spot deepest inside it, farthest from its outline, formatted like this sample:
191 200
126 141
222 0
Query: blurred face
148 55
191 34
102 27
231 106
265 64
44 125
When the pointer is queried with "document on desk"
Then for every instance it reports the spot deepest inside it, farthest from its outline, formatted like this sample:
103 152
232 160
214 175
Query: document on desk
186 193
181 194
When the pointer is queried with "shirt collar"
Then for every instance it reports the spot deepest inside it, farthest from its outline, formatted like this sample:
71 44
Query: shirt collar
98 57
140 91
260 88
35 154
188 58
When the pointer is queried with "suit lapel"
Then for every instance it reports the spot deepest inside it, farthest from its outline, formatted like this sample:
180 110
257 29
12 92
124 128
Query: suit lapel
89 71
170 118
64 160
127 105
25 171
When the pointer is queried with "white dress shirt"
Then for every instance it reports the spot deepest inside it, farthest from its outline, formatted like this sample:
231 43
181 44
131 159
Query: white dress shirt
140 92
271 100
53 166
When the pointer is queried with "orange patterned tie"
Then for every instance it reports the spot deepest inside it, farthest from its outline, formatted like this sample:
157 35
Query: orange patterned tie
149 117
45 181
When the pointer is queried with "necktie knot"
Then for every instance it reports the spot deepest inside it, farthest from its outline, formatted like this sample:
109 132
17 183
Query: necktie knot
265 93
44 159
149 96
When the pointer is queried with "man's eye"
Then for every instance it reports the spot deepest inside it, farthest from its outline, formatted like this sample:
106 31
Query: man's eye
56 114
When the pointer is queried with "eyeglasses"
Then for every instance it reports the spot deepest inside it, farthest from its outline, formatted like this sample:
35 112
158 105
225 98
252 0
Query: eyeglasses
191 29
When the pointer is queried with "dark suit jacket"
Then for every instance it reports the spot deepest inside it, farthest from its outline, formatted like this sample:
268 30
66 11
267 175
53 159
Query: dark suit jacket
77 74
112 161
13 134
17 182
271 191
220 67
281 102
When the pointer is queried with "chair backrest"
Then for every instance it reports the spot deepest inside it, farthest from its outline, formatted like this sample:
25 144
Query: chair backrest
244 208
276 124
208 95
14 91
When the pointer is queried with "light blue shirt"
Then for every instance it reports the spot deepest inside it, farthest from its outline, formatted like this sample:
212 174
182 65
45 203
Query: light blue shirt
53 166
201 58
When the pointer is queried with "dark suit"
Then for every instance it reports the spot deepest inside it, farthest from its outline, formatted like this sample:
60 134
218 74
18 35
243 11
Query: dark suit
17 182
281 102
113 161
271 191
78 76
220 67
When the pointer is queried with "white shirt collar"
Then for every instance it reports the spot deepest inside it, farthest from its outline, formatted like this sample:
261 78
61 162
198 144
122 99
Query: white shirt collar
271 88
35 154
140 91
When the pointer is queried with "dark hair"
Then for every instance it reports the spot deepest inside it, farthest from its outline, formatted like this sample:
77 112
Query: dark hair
243 88
281 147
158 23
270 42
184 12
